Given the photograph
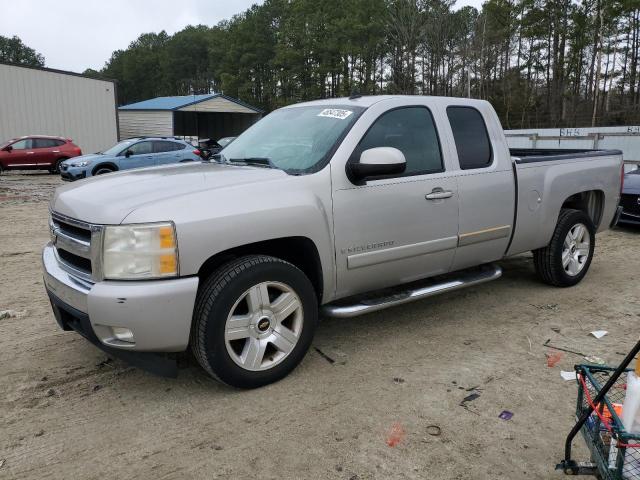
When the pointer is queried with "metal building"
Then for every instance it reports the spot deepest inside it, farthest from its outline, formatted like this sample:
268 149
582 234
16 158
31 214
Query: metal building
44 101
190 116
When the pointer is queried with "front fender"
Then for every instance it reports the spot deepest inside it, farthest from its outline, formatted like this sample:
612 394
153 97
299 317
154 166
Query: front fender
213 221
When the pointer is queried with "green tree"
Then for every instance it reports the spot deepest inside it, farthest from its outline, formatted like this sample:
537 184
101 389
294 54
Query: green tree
12 50
541 63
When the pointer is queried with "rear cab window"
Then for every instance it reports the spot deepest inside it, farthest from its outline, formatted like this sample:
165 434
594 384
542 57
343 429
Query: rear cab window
471 137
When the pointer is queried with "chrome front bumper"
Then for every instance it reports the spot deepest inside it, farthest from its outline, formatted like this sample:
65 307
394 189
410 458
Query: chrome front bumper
157 312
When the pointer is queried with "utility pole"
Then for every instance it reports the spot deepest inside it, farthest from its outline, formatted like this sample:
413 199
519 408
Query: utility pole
598 61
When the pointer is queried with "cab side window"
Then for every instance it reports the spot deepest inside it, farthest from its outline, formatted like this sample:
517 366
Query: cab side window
22 144
161 146
471 137
45 143
412 131
141 148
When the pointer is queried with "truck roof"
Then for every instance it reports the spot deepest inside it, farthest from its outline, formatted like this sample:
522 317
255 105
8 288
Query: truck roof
368 100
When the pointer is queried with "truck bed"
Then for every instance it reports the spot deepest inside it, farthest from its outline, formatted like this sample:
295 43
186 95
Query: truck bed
547 179
532 155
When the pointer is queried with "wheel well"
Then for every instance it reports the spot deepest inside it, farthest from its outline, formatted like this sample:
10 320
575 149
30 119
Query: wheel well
112 166
590 202
299 251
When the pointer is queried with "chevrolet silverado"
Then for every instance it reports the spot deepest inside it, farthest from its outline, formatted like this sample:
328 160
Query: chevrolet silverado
344 206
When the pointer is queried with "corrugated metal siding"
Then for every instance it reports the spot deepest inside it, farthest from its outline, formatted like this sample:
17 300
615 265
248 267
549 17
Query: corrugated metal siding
217 104
49 103
145 123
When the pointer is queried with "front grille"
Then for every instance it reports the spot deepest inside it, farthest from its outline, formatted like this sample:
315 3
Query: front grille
83 264
74 241
72 230
630 204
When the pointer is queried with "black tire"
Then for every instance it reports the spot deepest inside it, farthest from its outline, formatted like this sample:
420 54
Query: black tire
56 166
103 170
1 169
218 295
548 260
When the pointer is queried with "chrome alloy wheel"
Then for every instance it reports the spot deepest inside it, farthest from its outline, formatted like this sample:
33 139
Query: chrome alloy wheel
575 250
264 326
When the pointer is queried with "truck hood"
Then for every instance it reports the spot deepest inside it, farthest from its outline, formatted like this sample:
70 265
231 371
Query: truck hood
108 199
632 182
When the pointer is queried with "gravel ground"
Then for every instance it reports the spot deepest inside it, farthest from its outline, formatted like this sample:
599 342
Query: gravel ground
66 411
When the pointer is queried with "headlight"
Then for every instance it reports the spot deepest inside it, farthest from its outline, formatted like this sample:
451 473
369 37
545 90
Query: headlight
79 164
140 251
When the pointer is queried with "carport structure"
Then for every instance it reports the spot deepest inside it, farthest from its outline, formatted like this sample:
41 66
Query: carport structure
189 116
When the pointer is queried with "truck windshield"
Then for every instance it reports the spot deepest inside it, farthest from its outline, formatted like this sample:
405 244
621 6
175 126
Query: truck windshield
296 140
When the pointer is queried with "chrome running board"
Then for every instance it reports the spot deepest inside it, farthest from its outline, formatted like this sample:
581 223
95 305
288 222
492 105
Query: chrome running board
355 306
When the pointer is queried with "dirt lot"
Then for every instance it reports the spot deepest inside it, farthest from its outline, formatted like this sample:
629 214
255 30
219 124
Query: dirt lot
66 413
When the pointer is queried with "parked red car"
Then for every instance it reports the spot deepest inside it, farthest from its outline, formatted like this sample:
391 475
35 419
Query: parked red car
36 152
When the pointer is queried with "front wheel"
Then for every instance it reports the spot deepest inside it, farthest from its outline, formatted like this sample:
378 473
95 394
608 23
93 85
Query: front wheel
254 321
103 170
566 260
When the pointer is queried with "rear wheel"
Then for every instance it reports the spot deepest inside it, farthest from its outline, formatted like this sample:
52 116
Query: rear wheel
56 166
254 321
566 260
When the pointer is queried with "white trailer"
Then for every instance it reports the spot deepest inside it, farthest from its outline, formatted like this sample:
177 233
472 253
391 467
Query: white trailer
43 101
623 138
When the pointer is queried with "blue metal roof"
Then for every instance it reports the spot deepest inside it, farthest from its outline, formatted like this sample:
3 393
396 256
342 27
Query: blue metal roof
167 103
178 102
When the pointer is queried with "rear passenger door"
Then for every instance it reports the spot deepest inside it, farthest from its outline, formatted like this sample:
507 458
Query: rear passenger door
394 230
45 151
485 184
166 152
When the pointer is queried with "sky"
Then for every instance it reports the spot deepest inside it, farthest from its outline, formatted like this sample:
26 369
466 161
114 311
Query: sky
78 34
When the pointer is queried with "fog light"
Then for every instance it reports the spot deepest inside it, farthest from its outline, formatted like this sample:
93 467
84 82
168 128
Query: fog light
122 334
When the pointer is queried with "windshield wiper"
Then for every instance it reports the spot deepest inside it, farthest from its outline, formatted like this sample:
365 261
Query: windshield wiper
254 161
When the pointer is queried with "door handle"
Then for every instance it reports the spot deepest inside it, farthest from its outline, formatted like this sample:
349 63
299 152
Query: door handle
438 193
30 153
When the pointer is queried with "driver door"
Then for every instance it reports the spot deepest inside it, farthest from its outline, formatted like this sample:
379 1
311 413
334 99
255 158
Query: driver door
22 154
141 156
394 230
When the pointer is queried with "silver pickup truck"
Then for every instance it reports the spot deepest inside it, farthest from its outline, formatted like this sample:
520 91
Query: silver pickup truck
344 206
